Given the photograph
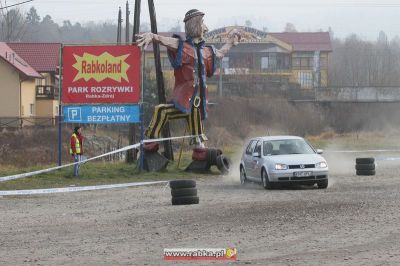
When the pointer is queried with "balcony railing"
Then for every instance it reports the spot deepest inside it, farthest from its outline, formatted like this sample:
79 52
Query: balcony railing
46 92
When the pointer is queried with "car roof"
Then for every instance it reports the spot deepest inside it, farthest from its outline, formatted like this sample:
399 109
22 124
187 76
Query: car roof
276 137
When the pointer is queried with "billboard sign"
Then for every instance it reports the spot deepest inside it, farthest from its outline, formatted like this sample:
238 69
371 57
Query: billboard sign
101 114
101 74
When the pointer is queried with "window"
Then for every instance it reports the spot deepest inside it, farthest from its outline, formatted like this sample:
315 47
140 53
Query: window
32 109
225 62
258 147
272 61
250 147
305 79
268 148
40 90
323 63
40 82
296 62
48 80
264 62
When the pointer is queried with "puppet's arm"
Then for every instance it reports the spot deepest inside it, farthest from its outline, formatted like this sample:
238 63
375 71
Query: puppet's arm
234 39
145 38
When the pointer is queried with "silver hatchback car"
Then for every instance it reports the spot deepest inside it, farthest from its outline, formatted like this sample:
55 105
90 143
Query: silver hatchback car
275 160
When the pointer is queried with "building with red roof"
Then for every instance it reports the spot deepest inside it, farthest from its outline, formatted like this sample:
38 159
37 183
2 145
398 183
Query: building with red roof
28 72
273 60
14 71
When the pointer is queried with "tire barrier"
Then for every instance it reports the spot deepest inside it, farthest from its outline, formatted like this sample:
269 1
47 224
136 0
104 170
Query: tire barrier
183 192
365 166
223 164
204 158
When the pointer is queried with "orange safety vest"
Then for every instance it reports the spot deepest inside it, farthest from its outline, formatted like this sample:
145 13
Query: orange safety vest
77 145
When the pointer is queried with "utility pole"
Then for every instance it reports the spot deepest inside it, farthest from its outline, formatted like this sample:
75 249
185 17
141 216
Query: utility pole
127 23
221 69
119 32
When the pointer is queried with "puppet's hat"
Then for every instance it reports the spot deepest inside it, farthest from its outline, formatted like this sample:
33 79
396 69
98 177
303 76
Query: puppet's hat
192 13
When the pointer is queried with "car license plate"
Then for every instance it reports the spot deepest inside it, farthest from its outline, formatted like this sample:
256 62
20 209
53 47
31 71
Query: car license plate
302 174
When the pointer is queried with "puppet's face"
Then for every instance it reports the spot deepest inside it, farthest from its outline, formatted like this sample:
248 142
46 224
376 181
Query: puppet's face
195 27
204 28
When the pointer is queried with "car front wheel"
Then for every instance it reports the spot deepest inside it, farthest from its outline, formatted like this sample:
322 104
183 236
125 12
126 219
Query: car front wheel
265 180
322 184
243 178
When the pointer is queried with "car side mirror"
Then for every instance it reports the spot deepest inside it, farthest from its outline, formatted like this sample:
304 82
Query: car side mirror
320 151
256 154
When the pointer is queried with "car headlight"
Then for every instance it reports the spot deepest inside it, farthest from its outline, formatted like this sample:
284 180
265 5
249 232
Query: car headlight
281 166
321 165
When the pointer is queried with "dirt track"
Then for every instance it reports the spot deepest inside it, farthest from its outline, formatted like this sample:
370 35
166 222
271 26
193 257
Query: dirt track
354 222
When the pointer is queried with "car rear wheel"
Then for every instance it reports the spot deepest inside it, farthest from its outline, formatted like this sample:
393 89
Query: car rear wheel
265 180
243 178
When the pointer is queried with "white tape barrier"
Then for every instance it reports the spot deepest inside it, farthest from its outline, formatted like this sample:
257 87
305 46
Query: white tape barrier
360 151
75 189
18 176
387 158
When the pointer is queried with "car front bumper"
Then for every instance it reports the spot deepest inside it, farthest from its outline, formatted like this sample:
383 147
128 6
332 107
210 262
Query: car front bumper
289 175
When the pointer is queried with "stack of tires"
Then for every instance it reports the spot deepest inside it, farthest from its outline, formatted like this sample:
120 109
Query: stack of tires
184 192
365 166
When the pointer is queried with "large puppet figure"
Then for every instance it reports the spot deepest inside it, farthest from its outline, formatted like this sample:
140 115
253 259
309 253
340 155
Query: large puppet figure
192 61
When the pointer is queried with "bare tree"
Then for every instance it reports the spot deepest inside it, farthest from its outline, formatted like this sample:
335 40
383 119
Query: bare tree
12 23
290 27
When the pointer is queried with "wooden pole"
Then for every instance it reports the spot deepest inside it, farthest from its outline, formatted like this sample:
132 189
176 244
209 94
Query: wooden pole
136 20
131 155
160 81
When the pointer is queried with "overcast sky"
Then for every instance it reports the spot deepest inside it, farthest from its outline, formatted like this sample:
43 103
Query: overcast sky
363 17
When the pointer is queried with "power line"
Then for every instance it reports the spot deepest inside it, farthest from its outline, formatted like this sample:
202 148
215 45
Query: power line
17 4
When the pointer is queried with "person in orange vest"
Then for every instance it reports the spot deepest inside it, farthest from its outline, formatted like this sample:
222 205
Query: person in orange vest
76 148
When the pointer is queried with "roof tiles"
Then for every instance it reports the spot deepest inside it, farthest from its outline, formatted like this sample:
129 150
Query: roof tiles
13 58
44 57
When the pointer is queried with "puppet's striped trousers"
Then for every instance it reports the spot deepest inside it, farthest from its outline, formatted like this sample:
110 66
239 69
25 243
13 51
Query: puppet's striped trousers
166 112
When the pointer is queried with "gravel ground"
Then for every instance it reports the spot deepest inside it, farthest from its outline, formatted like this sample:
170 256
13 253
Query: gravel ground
353 222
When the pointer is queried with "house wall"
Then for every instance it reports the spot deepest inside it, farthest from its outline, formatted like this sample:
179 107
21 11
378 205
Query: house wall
9 91
46 108
28 98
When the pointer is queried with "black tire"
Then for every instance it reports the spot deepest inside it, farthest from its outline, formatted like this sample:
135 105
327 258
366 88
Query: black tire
243 178
183 192
185 200
365 172
265 181
182 183
212 156
223 164
365 160
369 166
322 184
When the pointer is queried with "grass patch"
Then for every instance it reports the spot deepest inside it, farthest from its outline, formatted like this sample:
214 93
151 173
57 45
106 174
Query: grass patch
99 173
362 141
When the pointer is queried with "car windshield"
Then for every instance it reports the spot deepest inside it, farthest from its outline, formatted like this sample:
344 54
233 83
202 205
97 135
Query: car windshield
286 146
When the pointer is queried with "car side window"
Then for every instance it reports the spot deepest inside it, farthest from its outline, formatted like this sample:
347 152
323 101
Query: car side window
268 148
258 147
250 147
